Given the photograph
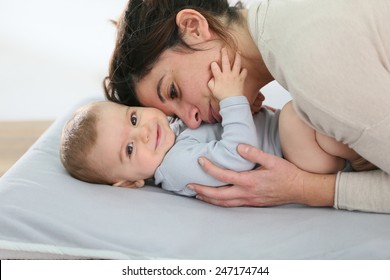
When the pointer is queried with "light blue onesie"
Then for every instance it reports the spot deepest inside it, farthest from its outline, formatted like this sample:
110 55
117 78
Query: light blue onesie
217 142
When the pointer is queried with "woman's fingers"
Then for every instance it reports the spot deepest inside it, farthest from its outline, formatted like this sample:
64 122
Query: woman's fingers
228 196
256 155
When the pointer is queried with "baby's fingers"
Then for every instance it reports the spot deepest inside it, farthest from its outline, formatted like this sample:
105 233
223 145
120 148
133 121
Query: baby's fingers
243 73
215 70
211 84
237 63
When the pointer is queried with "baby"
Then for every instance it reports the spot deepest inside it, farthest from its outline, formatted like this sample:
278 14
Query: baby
114 144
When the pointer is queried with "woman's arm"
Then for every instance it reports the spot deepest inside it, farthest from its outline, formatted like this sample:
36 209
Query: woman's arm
367 191
279 182
276 182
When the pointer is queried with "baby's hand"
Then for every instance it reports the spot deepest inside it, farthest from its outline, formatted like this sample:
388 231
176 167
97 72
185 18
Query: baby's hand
228 81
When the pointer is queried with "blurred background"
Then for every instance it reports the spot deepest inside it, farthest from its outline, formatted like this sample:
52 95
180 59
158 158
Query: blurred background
55 53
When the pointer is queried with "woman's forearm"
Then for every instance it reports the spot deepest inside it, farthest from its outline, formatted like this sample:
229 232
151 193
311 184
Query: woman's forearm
318 189
275 182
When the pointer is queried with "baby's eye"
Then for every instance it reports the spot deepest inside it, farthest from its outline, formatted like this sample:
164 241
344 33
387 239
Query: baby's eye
133 119
172 92
129 150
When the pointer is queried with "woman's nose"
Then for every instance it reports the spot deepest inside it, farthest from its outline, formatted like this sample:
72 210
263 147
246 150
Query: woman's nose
191 117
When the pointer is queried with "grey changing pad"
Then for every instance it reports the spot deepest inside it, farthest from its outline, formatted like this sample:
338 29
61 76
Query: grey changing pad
45 213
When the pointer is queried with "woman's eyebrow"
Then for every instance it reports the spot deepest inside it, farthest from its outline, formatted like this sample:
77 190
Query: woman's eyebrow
159 94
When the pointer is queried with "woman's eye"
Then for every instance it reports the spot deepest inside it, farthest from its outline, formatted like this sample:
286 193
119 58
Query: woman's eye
133 119
129 149
172 92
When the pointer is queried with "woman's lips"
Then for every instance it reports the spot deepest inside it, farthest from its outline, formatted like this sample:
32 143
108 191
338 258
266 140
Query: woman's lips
214 116
211 118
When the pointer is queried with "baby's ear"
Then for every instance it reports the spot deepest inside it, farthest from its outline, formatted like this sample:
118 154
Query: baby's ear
130 184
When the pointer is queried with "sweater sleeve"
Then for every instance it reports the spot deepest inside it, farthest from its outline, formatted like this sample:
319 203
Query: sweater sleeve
350 101
364 191
216 142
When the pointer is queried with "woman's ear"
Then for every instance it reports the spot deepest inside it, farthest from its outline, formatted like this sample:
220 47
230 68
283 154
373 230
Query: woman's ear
193 25
130 184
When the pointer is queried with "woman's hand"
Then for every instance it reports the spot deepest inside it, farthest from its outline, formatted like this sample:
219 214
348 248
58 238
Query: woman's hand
275 182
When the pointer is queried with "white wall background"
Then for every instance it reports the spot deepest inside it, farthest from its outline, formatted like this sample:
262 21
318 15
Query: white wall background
54 53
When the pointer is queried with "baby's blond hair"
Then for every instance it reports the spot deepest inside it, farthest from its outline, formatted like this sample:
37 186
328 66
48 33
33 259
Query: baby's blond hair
78 138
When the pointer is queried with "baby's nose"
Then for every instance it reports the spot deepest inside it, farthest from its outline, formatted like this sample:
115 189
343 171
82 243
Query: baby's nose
144 134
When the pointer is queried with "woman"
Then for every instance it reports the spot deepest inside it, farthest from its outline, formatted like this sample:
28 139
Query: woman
330 55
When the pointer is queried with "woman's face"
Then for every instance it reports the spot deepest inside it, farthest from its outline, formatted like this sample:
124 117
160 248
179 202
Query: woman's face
177 85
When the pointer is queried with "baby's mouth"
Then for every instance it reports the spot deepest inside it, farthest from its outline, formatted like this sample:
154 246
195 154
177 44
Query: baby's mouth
158 136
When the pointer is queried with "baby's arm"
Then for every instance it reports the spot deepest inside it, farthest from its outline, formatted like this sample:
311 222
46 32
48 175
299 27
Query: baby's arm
227 85
214 141
311 150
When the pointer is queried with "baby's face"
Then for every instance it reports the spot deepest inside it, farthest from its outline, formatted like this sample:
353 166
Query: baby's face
131 142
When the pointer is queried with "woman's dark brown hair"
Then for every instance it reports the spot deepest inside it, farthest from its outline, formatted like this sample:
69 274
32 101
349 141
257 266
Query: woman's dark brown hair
148 28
